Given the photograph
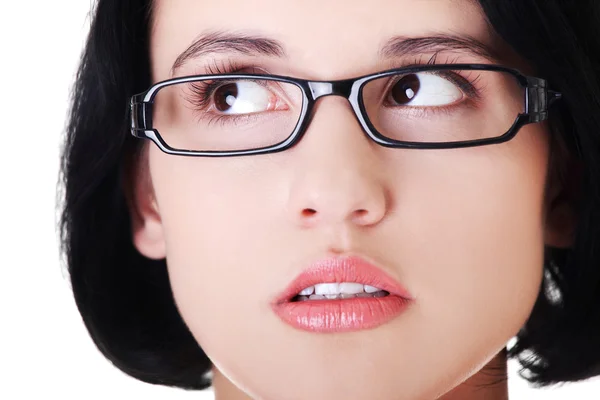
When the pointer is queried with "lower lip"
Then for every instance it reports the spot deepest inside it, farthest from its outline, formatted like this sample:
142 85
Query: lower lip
345 315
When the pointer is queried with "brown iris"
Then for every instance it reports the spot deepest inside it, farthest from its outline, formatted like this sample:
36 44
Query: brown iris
406 89
222 94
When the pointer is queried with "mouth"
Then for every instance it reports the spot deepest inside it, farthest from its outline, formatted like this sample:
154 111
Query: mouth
341 295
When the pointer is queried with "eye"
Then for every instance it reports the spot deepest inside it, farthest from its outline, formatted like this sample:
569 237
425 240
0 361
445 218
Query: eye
423 89
242 97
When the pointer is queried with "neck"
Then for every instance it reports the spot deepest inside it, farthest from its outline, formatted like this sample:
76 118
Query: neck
489 383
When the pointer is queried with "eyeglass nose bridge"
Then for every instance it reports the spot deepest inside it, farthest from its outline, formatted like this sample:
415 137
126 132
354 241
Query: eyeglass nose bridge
349 89
335 88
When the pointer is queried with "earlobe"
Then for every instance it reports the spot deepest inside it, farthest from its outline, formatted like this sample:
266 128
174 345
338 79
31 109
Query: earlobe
148 235
146 223
560 226
561 215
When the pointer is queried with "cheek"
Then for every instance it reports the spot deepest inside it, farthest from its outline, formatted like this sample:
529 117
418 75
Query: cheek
476 238
216 213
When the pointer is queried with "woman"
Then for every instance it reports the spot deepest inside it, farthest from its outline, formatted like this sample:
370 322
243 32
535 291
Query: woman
287 200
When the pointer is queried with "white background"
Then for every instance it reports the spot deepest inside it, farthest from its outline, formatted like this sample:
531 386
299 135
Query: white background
44 349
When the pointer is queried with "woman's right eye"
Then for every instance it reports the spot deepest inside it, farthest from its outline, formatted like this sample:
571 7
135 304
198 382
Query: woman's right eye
243 97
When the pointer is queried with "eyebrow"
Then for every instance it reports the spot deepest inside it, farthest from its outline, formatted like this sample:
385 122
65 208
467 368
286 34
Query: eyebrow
403 46
227 42
222 42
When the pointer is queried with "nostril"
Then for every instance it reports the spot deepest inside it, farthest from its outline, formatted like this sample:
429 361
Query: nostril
308 212
359 215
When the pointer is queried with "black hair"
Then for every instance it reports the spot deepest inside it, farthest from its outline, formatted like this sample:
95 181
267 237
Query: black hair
125 299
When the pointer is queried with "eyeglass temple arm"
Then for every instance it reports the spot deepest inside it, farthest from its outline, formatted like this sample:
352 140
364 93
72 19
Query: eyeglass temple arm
140 114
539 99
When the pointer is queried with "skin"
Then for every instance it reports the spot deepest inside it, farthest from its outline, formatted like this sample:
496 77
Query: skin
462 229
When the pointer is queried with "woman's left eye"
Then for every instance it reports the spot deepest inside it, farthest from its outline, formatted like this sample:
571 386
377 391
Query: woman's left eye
242 97
423 89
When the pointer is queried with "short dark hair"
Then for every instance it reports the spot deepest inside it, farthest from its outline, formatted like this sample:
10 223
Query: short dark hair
125 299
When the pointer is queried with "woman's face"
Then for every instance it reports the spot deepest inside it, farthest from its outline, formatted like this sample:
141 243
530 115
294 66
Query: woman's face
461 229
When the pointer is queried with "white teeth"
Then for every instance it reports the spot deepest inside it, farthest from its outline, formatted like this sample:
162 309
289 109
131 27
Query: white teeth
351 287
342 296
308 291
371 289
327 288
335 288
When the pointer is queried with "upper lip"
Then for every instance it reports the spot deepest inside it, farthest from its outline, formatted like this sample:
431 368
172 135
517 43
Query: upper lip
342 269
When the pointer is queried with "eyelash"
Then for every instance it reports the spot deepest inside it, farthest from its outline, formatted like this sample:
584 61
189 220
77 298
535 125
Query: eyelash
203 90
470 85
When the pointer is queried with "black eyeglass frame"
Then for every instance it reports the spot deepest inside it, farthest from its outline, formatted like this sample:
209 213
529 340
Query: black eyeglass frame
538 99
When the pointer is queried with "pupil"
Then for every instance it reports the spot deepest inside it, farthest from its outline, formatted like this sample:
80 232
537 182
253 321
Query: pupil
406 89
225 96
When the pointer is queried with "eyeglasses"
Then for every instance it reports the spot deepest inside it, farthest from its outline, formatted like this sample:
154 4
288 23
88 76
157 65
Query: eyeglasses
419 107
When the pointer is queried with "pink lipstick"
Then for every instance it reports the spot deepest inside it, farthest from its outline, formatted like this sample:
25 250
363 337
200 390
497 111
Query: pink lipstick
341 294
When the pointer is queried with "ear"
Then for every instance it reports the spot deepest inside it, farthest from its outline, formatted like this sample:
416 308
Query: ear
146 224
562 197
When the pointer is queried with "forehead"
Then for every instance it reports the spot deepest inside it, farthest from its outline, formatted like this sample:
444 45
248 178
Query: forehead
329 38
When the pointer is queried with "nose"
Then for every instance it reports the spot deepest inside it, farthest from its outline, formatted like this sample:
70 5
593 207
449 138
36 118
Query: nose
337 174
